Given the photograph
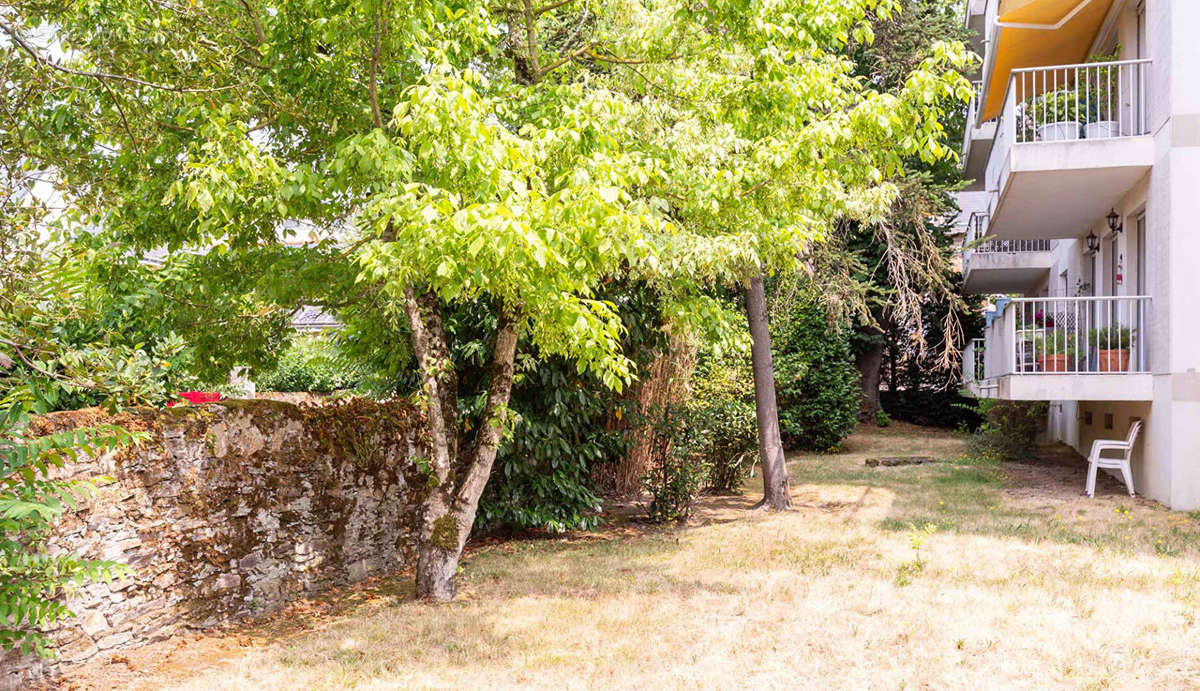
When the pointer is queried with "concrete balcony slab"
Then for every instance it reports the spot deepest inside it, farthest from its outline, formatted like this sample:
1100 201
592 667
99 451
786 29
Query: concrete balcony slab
985 273
1060 189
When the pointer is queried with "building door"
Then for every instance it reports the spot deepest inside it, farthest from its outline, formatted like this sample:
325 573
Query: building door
1142 51
1143 288
1115 315
1114 264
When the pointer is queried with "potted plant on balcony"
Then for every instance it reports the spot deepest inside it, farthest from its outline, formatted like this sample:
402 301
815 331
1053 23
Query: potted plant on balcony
1056 115
1056 351
1102 91
1113 344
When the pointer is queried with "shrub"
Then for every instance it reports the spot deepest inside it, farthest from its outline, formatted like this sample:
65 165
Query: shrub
882 419
816 381
1112 337
311 364
680 471
1056 342
31 501
949 409
1010 429
721 418
566 424
730 439
542 478
1057 106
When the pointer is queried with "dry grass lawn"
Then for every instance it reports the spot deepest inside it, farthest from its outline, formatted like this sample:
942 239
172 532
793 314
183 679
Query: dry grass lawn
943 575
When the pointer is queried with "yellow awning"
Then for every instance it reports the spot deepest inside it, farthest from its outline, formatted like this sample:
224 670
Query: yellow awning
1041 33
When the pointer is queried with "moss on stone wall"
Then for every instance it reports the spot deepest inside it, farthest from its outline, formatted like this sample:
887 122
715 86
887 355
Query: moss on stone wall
235 508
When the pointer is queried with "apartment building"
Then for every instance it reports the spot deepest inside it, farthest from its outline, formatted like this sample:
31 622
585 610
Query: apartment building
1083 152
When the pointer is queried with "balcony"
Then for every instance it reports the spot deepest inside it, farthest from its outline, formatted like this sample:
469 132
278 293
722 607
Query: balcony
1065 349
977 142
972 366
992 265
976 17
1071 140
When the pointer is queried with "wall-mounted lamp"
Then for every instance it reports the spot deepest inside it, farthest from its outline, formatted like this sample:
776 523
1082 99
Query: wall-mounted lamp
1093 243
1114 222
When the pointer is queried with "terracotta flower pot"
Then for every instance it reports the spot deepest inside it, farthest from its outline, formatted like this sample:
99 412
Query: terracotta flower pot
1114 360
1056 362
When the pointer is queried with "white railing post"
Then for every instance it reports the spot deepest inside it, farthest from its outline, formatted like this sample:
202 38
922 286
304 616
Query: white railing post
1010 331
1010 112
968 363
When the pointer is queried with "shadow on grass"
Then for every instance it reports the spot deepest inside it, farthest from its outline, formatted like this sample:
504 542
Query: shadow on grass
1036 500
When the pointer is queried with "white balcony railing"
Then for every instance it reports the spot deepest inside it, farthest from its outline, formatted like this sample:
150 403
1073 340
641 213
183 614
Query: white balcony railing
972 371
977 226
1083 335
973 106
1103 100
1012 246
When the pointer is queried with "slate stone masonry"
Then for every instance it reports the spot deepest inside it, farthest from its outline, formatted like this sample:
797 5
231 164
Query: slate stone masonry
230 510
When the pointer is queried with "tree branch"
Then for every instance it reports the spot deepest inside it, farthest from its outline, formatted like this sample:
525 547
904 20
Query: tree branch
626 61
43 60
531 37
562 61
552 6
491 431
380 29
437 376
259 34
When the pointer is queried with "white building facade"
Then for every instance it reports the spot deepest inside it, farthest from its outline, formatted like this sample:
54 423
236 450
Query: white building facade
1083 151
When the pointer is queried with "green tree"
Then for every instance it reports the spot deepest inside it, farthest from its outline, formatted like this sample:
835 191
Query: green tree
896 278
816 377
442 152
43 285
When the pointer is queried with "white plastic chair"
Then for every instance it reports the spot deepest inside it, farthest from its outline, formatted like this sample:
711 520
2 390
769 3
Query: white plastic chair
1096 460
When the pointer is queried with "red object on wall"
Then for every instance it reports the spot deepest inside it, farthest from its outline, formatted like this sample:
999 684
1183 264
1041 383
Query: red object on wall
195 397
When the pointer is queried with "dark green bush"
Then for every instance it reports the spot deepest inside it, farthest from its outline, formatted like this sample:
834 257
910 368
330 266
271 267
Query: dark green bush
949 409
730 442
816 381
676 479
542 476
563 431
1010 429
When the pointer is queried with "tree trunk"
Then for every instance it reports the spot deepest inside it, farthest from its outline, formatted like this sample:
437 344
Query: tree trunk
870 366
457 477
777 494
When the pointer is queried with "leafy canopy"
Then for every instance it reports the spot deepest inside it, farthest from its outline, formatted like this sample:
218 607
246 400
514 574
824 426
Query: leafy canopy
518 153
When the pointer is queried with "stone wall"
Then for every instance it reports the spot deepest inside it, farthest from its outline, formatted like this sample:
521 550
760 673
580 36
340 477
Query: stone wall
232 510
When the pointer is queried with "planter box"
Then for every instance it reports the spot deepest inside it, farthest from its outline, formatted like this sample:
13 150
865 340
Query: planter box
1058 132
1060 362
1114 360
